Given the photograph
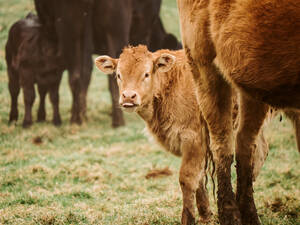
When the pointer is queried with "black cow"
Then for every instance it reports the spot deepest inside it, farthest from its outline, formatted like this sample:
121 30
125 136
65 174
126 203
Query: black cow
84 27
31 58
147 27
160 39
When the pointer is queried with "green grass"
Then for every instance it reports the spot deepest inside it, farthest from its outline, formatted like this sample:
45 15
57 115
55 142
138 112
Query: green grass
94 174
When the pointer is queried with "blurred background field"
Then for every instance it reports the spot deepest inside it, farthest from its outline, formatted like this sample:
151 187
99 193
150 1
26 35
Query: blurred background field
93 174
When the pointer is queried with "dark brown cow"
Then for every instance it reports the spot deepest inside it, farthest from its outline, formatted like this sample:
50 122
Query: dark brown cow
254 45
84 27
32 58
147 27
160 39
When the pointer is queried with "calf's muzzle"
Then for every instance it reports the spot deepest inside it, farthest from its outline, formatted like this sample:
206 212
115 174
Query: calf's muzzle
129 99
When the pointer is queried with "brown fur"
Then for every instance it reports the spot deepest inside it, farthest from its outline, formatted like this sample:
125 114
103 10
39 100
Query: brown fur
255 45
170 107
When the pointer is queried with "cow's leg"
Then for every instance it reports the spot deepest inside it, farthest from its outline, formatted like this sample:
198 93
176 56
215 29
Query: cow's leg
14 90
54 98
86 78
117 114
216 105
87 65
115 46
294 116
41 111
192 167
75 85
29 96
252 116
215 100
203 203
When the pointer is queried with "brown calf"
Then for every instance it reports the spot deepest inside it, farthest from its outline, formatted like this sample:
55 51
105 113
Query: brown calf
255 45
159 87
32 58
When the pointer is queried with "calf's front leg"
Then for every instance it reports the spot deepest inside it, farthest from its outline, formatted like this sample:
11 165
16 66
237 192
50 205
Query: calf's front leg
294 116
29 97
54 98
203 203
41 111
190 174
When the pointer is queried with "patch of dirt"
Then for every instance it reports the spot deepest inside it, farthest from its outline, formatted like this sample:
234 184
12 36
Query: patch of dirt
38 140
156 173
275 205
286 207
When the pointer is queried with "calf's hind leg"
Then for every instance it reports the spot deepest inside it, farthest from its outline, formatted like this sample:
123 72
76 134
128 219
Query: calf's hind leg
190 174
252 116
14 90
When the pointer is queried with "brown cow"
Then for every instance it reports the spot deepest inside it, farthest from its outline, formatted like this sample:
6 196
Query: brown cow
160 88
255 45
31 58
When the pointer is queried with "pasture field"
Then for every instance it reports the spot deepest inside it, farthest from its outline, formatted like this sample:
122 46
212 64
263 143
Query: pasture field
94 174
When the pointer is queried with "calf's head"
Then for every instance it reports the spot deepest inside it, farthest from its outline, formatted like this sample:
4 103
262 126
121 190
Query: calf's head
137 72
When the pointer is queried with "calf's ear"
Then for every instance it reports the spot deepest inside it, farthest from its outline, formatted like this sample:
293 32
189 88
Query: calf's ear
106 64
165 62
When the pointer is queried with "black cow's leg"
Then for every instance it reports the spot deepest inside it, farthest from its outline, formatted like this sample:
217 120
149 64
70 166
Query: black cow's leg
252 116
42 112
29 96
54 98
86 78
117 114
14 90
75 85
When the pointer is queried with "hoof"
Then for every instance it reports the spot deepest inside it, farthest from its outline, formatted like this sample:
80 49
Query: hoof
56 122
116 125
13 118
187 218
76 120
27 124
41 117
207 218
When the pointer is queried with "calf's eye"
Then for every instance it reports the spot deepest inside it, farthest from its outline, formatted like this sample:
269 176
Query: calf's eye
119 76
147 75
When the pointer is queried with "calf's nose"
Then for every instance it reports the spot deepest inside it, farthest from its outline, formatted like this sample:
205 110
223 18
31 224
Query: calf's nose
129 95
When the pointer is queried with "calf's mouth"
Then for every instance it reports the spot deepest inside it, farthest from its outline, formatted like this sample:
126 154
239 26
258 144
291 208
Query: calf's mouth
129 106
